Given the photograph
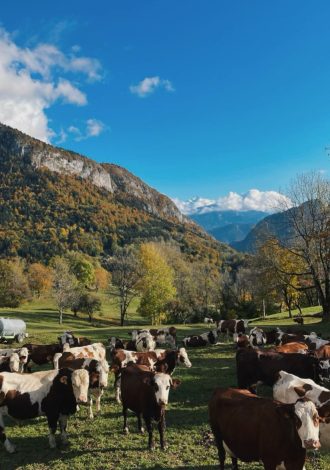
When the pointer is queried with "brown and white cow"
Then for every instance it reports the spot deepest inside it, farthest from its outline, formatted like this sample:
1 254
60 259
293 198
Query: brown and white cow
160 360
291 348
40 354
251 428
22 352
10 363
203 339
289 388
259 366
323 352
98 377
232 327
52 393
146 394
92 351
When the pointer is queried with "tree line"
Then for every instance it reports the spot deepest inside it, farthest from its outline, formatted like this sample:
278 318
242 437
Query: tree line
171 286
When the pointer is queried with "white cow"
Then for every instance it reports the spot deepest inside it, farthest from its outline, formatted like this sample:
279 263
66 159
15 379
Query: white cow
23 354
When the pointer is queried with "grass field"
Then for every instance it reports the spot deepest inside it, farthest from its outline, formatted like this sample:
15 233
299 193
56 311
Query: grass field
100 444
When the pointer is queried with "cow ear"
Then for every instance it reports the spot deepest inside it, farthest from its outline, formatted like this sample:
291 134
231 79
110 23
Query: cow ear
300 391
175 383
64 380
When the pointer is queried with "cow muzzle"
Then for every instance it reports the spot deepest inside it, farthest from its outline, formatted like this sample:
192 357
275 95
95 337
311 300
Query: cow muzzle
82 399
311 444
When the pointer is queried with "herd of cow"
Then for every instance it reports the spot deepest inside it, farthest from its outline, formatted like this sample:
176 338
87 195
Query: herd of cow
294 365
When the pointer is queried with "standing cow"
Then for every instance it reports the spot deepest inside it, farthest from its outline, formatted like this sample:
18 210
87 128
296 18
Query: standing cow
146 394
251 428
53 393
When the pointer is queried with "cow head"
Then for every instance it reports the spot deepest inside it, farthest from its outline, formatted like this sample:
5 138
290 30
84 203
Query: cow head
183 358
307 423
257 337
23 355
161 384
324 369
103 370
14 362
80 384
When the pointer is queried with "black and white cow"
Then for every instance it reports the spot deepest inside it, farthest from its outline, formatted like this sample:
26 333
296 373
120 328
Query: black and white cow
201 340
257 337
54 394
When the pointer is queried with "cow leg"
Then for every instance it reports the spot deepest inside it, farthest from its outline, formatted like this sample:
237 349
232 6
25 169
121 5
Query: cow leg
98 394
151 443
221 449
161 429
117 389
63 421
3 438
90 408
140 427
126 430
52 425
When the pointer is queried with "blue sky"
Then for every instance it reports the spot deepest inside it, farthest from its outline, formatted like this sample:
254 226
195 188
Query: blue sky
238 96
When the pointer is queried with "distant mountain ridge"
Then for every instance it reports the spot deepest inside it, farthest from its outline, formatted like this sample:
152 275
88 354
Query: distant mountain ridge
56 200
229 226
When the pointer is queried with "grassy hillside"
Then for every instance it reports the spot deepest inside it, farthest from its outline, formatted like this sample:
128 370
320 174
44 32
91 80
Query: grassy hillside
100 444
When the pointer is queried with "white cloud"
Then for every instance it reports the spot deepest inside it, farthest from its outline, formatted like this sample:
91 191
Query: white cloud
264 201
93 128
31 81
149 85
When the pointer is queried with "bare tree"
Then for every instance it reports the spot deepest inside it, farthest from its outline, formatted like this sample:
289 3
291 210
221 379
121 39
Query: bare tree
310 219
65 285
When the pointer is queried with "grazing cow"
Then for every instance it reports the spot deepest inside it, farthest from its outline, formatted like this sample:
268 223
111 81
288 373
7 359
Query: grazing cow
231 327
164 336
117 343
289 388
146 394
194 341
255 366
251 428
22 352
53 393
160 360
299 320
290 348
69 338
208 320
92 351
40 354
257 337
10 363
98 377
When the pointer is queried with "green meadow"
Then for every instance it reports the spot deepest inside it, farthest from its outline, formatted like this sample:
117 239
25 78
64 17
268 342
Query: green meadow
99 444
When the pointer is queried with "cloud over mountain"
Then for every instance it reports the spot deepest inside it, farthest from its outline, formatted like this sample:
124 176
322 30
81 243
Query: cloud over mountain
264 201
33 79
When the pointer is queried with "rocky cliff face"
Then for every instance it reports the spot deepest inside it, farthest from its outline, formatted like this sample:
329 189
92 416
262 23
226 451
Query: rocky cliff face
112 178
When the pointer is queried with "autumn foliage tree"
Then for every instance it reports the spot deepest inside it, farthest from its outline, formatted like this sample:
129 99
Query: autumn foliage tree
39 278
156 284
14 287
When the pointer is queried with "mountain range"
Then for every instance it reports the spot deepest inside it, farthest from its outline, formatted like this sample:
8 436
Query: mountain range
228 226
55 200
